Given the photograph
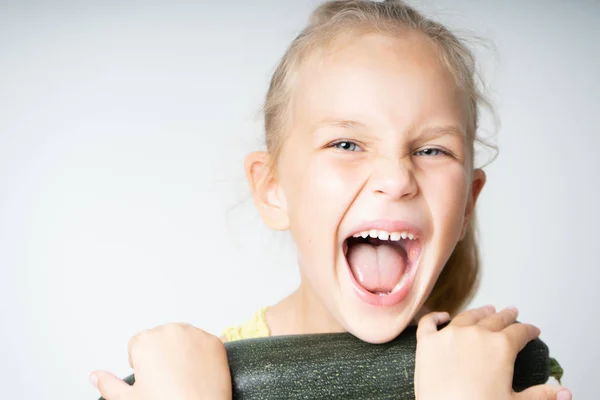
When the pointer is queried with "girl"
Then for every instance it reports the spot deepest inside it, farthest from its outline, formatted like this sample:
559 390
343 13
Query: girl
371 119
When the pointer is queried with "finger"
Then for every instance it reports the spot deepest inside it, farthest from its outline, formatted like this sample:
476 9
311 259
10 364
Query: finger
473 316
520 334
544 392
129 358
500 320
110 386
132 348
429 323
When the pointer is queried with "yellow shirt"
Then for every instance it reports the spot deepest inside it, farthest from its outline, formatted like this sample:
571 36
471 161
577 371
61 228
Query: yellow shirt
253 328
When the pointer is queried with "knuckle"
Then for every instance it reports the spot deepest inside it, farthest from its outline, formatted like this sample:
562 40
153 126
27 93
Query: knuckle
449 334
473 334
508 315
212 344
218 347
133 347
210 340
425 319
503 341
181 329
207 337
170 327
173 329
448 331
472 331
201 332
451 330
132 341
136 339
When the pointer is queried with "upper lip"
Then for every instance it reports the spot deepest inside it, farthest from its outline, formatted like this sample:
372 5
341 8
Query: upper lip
387 225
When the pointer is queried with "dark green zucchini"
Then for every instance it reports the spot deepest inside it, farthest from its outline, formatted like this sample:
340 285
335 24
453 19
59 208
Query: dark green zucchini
341 366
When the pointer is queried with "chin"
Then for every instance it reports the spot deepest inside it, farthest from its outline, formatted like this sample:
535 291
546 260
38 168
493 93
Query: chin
379 317
378 329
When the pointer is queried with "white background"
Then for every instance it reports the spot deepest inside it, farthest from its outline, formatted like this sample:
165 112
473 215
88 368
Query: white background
123 205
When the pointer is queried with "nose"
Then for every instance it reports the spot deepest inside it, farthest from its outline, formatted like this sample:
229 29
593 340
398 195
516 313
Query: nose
394 178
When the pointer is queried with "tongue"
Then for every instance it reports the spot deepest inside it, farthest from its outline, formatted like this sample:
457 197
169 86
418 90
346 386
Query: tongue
377 268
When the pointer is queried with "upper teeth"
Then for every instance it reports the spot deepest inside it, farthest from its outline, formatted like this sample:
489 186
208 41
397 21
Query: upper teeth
385 235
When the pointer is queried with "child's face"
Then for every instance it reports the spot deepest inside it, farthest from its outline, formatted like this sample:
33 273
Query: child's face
377 142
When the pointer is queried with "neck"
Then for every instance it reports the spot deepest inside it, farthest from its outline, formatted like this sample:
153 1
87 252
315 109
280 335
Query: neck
301 313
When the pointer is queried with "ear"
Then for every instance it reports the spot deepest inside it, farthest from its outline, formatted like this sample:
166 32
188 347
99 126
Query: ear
479 179
267 193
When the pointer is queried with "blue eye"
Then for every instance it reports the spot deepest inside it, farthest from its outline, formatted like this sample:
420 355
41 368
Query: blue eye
431 151
346 145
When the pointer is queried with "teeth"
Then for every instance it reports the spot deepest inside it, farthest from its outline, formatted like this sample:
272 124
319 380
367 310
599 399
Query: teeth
385 235
398 286
401 283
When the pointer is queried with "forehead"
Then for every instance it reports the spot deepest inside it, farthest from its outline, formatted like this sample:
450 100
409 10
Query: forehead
379 80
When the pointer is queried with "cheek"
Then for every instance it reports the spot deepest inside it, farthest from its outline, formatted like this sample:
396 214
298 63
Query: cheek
445 191
320 191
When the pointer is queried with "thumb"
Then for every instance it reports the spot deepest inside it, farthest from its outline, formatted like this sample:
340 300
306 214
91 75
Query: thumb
429 323
544 392
110 386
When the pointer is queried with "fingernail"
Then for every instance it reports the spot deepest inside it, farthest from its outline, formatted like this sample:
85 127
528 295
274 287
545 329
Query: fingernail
442 317
490 307
564 395
513 309
94 380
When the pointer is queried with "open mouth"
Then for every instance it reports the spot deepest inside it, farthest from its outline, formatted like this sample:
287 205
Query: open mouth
382 263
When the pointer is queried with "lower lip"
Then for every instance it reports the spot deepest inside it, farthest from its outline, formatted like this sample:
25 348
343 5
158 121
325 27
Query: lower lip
388 300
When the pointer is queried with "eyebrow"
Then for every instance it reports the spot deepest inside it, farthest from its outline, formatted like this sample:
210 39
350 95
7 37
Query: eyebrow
427 133
341 123
439 131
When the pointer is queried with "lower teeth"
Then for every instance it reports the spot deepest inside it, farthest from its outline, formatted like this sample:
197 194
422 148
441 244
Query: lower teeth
396 288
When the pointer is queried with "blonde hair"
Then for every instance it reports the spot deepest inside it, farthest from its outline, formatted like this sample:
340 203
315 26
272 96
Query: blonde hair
460 277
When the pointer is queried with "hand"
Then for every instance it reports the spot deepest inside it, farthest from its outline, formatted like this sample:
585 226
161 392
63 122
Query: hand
174 361
473 357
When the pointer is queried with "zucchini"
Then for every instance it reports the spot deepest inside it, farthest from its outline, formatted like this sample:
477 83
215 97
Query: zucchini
341 366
